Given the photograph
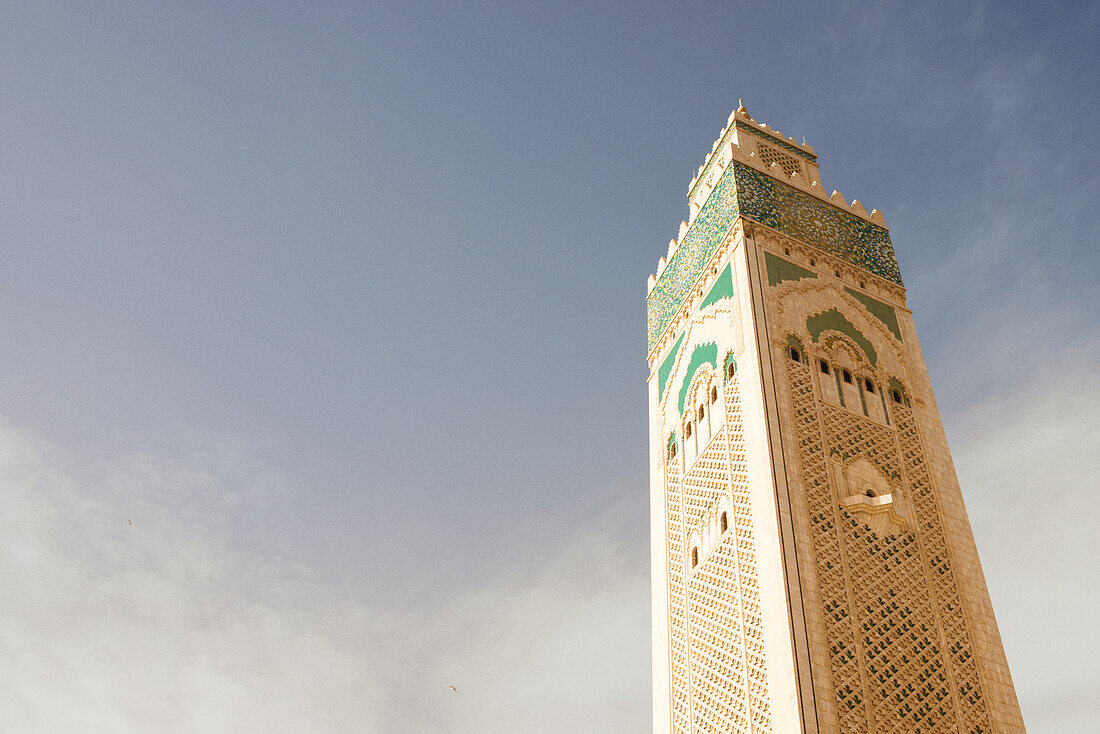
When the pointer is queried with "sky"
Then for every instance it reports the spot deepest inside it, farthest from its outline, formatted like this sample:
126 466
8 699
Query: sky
323 379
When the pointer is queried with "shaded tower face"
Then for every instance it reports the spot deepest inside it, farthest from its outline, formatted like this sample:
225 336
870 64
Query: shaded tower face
813 566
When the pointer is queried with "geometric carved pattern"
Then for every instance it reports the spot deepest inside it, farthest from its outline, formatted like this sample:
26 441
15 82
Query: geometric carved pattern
677 622
776 141
899 652
769 155
745 558
967 684
718 675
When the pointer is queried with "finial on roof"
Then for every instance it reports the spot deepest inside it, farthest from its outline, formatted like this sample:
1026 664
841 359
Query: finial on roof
741 109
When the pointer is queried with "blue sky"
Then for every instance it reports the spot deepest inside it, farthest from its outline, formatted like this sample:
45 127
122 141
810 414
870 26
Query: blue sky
324 369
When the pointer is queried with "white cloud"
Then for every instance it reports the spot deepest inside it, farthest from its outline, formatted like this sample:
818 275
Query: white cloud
1028 465
155 625
165 625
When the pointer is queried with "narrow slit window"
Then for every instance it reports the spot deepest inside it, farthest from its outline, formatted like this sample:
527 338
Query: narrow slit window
714 395
694 557
724 523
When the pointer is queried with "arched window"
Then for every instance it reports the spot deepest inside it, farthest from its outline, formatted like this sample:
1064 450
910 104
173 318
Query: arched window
672 451
731 369
795 354
847 376
687 431
714 395
870 386
701 413
694 557
824 367
723 523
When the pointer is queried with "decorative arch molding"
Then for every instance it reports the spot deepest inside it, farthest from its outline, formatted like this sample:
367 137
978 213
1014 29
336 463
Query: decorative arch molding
817 296
869 495
702 356
896 384
710 330
833 320
834 343
729 366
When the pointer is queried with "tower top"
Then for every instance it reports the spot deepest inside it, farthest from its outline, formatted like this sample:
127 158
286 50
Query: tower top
741 120
755 172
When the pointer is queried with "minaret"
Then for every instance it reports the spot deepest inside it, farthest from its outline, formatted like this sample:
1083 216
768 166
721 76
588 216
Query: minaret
813 566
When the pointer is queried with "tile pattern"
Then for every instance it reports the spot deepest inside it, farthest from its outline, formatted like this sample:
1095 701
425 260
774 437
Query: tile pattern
692 255
742 190
804 217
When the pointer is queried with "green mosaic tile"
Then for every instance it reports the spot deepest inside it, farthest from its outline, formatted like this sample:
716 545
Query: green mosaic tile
700 242
804 217
744 191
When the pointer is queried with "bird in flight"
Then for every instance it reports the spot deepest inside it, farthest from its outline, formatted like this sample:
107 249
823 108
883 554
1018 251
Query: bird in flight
453 689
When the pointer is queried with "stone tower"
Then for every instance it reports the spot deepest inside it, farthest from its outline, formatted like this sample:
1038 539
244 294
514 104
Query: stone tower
813 566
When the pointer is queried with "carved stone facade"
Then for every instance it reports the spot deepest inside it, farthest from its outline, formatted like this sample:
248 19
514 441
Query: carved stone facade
813 566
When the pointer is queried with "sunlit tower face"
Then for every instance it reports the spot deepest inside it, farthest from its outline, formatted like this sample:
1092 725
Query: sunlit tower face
813 565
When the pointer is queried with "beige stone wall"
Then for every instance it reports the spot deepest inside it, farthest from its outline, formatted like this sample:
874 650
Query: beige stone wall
900 630
723 657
